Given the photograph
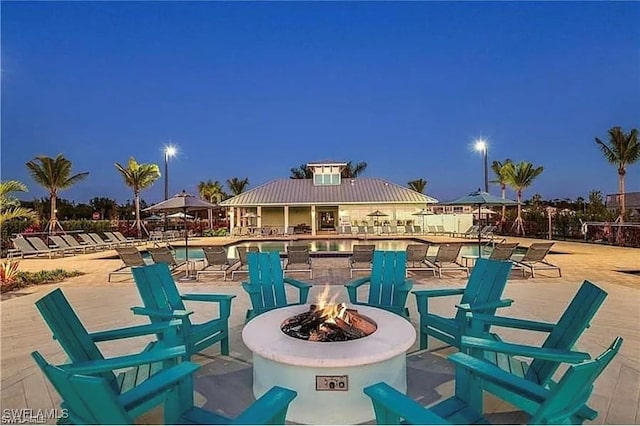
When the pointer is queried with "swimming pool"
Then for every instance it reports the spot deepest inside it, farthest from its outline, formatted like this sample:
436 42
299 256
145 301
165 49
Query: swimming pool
331 248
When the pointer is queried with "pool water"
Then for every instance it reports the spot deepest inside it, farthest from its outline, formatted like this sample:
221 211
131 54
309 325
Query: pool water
330 247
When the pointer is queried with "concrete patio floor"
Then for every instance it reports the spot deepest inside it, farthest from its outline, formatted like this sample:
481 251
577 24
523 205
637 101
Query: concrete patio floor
224 382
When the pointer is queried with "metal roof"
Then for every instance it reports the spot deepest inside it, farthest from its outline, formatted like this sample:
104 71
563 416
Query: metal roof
293 192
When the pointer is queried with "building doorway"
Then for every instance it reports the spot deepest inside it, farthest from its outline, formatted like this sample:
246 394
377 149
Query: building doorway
328 220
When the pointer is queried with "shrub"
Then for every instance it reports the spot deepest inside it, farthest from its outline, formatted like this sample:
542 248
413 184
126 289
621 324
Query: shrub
22 279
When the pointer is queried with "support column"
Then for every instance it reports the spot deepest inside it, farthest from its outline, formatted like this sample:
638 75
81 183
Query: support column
232 220
286 219
313 220
259 213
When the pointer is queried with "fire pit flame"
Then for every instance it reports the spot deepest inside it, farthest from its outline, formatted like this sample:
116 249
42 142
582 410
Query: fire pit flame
328 323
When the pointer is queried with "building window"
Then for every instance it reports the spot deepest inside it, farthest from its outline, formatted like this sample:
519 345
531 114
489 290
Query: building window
326 178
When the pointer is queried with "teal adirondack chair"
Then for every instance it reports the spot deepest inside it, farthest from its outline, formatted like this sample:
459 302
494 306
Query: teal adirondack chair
266 284
163 302
80 345
91 400
558 405
482 294
388 285
546 359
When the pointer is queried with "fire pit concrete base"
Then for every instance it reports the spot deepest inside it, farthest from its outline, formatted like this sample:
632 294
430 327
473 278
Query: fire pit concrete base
342 368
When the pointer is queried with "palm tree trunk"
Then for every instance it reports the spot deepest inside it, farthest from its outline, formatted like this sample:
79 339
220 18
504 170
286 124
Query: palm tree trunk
53 217
137 203
520 226
503 219
621 173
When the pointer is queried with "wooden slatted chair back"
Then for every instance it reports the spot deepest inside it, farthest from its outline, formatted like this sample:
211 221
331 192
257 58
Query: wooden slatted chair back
387 274
88 399
448 252
536 252
130 256
157 288
265 273
574 388
568 329
503 251
69 331
216 255
486 284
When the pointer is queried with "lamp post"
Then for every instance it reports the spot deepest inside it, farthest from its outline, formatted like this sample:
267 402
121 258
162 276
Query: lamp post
169 151
481 146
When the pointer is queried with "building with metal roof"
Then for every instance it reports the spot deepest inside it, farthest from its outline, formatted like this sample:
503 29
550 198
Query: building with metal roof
325 202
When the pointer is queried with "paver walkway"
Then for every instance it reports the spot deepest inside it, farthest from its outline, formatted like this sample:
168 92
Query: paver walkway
103 305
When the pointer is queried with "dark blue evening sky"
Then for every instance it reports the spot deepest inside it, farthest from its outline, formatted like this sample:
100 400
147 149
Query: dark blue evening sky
252 89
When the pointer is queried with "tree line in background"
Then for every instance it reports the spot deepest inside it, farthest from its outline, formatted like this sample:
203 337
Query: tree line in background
54 174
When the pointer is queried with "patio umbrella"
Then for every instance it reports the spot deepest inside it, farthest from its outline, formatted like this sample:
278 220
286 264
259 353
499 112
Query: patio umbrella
154 217
483 211
479 199
180 215
181 203
377 214
423 213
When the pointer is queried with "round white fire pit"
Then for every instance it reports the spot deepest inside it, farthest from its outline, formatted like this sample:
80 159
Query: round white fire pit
328 376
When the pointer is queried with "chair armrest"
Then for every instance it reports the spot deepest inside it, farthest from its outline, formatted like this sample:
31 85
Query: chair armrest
512 322
110 364
489 372
179 314
139 330
219 298
250 288
485 306
558 355
269 405
300 285
357 282
406 286
383 395
297 283
157 383
439 292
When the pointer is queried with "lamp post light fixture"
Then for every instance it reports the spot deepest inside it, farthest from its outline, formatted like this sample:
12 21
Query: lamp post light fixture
481 146
169 151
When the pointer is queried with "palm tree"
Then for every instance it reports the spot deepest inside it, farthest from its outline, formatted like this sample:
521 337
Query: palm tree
519 177
623 149
138 177
237 186
351 171
10 206
54 174
212 192
499 170
417 185
302 172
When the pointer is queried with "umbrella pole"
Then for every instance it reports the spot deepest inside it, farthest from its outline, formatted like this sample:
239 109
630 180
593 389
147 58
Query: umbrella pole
479 233
186 241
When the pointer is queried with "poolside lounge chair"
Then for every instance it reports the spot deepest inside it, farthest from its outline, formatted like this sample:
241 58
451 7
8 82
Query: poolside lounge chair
116 241
217 262
131 257
408 229
441 231
164 255
298 260
71 241
533 259
26 249
416 256
124 239
244 264
39 245
362 258
62 245
98 239
417 229
92 243
472 232
447 259
503 251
